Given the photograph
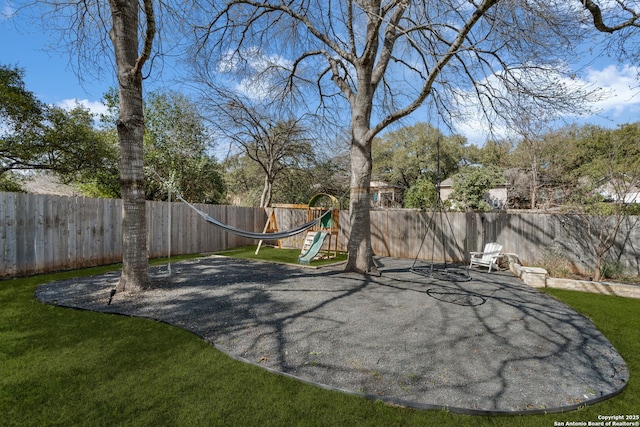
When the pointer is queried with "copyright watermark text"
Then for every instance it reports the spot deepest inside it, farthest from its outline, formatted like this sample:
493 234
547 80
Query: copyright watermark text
604 421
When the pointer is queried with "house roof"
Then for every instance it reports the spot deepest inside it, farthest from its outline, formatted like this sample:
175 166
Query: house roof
447 183
382 184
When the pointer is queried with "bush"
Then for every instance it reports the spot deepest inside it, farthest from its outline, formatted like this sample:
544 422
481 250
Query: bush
421 195
555 262
612 270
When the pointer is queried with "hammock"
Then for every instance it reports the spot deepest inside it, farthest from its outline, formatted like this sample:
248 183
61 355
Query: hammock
251 235
243 233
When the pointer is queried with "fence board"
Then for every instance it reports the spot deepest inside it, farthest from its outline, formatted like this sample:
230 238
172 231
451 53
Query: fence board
9 243
105 230
85 231
222 239
49 233
61 239
80 227
23 257
286 219
158 225
38 234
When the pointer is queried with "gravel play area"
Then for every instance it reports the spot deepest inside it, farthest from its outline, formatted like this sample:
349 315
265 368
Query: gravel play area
489 345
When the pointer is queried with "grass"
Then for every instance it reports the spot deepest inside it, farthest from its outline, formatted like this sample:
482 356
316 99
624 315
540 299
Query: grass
271 254
69 367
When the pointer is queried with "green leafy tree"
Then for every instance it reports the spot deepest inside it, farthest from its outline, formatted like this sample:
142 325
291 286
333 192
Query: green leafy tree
610 178
542 169
21 119
71 144
422 194
244 180
497 153
609 157
34 136
470 185
403 156
413 156
558 175
20 110
10 182
177 148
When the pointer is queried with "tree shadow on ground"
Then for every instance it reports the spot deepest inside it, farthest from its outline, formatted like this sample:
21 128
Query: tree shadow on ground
489 345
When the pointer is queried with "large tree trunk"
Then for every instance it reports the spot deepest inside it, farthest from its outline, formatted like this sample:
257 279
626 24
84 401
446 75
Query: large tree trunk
135 261
124 36
359 243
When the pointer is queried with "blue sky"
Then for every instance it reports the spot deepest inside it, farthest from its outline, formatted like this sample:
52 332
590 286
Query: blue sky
49 75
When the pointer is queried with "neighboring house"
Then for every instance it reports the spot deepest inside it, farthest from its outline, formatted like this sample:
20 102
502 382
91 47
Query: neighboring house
385 195
632 197
617 190
446 188
47 183
495 197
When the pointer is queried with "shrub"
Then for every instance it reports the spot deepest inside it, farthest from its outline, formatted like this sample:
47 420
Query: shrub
555 262
612 270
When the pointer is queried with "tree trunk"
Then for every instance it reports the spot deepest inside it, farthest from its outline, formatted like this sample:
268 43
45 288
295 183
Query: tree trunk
359 242
598 268
267 191
124 36
135 261
534 182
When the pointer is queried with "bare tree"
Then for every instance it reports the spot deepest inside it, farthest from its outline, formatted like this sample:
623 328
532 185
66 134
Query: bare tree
529 152
385 59
275 142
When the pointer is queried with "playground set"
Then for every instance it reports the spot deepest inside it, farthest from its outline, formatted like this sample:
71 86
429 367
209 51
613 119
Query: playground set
323 212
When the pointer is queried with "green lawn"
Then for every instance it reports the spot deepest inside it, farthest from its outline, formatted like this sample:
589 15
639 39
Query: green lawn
285 256
68 367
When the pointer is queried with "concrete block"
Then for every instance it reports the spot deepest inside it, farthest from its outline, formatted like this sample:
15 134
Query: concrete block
534 276
516 269
619 289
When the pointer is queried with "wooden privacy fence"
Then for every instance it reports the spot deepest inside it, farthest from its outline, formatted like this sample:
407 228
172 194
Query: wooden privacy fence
41 233
535 237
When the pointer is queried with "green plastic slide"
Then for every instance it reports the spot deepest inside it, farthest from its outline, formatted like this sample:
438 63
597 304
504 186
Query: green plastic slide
313 250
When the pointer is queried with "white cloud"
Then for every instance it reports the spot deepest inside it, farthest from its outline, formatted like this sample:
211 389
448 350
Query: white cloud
262 71
619 103
229 63
95 107
622 87
476 130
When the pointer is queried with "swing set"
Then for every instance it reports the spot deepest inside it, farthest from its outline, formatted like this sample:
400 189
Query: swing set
323 211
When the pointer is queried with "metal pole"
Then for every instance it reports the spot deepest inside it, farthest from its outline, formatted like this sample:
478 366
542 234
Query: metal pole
169 233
